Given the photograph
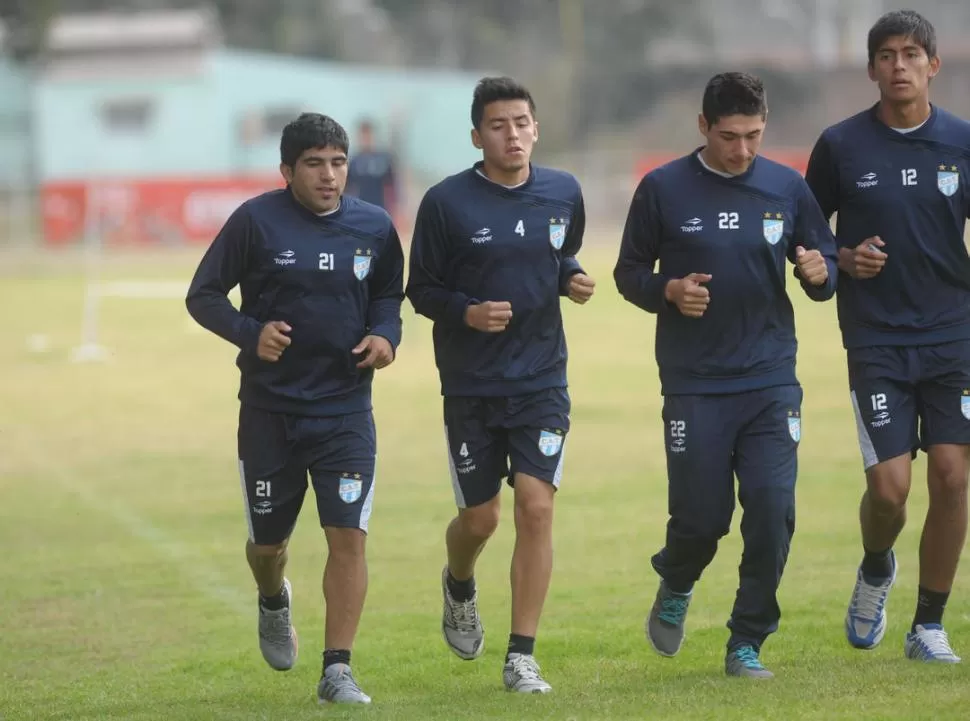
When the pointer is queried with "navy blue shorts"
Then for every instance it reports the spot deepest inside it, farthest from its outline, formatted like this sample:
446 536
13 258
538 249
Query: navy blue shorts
710 439
276 454
909 398
490 439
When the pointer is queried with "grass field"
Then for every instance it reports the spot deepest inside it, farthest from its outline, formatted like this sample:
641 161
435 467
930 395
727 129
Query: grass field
124 593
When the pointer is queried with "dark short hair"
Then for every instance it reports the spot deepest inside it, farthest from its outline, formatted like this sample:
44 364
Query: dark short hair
311 130
902 23
733 94
490 90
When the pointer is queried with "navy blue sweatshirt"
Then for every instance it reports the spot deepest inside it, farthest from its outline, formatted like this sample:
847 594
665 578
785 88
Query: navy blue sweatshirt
476 241
741 231
911 190
333 279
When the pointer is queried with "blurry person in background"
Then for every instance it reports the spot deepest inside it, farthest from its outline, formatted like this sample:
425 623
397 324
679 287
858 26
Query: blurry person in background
372 176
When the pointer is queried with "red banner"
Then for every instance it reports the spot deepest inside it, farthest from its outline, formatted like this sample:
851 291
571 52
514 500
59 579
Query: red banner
139 212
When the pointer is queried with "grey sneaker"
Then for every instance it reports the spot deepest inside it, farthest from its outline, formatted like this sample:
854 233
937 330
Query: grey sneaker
930 643
865 621
744 661
337 685
665 624
521 674
460 624
277 637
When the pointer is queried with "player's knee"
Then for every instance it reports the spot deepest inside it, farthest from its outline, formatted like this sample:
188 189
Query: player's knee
480 521
533 511
888 486
947 476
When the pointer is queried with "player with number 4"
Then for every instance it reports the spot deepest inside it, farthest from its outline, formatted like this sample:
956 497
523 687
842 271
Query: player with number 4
723 224
494 249
896 174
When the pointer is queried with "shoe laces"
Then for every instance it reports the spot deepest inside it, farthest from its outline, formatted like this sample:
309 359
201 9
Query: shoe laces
673 609
463 615
748 657
343 682
275 625
868 601
525 667
935 642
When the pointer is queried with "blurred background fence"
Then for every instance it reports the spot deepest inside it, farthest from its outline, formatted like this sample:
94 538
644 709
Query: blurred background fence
163 116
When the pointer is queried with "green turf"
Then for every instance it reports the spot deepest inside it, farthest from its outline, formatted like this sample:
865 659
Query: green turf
124 593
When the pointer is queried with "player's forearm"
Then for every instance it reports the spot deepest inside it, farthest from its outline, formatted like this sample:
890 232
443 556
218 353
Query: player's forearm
215 313
440 305
384 319
845 260
641 286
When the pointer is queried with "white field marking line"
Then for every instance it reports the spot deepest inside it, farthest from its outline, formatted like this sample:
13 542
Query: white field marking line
206 579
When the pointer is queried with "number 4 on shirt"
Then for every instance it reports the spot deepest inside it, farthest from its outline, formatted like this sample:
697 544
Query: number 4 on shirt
520 228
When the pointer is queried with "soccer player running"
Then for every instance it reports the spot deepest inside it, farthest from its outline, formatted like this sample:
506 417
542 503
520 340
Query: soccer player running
723 222
493 250
321 278
896 174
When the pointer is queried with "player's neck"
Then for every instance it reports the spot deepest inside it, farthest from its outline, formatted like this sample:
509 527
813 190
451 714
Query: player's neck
709 162
508 178
904 115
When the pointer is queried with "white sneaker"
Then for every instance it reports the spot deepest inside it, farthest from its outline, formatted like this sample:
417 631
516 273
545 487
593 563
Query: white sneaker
930 643
521 674
337 685
460 623
277 637
865 621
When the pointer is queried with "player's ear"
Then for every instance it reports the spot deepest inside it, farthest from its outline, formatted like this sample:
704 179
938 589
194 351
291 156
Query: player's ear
476 138
935 64
287 172
872 72
535 131
702 124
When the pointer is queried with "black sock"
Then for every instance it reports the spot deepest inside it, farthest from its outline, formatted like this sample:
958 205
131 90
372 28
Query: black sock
524 645
929 607
335 655
274 603
460 590
877 564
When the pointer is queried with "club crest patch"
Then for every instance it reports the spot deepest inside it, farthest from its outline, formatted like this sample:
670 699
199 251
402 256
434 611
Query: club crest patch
965 404
350 487
557 232
550 443
948 179
773 226
794 426
362 263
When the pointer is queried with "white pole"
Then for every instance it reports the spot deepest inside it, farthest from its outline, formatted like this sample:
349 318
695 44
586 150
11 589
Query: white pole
90 350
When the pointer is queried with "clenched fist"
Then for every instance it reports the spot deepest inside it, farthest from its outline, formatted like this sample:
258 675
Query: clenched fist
581 288
489 317
273 341
379 353
811 266
689 294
